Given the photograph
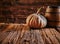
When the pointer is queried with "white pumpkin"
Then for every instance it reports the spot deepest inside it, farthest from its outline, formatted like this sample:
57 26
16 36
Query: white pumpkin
36 21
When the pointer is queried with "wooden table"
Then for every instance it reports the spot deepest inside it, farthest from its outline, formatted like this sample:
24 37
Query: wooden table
22 34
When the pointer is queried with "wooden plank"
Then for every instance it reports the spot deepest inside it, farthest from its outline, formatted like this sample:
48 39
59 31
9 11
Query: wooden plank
3 35
9 38
22 34
45 37
38 37
51 37
56 34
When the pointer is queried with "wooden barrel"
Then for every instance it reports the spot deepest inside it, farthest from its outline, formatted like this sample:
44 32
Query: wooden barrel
53 16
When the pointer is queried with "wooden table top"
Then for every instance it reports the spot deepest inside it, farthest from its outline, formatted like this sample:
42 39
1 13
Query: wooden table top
22 34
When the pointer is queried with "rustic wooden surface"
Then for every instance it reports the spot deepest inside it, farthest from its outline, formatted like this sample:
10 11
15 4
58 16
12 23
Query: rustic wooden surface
22 34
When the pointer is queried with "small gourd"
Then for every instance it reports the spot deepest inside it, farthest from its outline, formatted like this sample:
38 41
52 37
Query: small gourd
36 20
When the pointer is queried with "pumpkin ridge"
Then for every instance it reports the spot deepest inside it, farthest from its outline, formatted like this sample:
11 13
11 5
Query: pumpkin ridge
31 21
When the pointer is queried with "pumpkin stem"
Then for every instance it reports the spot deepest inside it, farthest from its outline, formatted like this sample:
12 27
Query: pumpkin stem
39 9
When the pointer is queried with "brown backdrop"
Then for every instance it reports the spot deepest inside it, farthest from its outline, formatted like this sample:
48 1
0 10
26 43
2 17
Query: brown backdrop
16 11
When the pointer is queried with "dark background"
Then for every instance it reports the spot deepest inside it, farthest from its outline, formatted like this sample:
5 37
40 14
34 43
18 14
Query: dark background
16 11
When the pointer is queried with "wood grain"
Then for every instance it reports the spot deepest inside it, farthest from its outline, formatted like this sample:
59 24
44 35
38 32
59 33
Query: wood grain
22 34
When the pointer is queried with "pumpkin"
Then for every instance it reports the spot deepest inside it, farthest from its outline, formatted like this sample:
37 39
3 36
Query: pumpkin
36 20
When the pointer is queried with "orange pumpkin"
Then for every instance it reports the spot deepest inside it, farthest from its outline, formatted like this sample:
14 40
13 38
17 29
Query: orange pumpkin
36 20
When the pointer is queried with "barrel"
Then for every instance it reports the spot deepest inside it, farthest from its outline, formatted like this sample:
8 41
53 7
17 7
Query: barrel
53 16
